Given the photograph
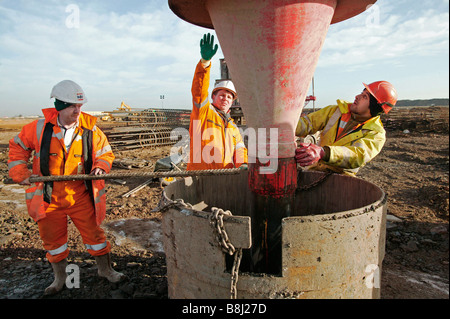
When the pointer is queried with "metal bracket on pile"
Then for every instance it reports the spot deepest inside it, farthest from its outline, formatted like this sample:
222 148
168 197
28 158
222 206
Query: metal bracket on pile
216 220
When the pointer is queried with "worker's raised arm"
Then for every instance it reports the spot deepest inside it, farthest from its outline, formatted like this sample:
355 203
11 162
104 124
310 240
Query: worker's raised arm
200 83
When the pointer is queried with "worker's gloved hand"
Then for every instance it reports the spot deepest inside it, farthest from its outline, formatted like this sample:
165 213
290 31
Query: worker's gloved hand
207 47
97 171
243 167
26 181
308 154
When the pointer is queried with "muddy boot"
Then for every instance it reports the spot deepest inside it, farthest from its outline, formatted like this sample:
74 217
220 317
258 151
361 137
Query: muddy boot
105 269
59 270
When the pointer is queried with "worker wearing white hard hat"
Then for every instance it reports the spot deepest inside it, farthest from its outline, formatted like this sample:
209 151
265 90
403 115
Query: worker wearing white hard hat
65 142
67 92
215 140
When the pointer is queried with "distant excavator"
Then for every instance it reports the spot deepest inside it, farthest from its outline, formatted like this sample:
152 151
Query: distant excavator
109 116
124 107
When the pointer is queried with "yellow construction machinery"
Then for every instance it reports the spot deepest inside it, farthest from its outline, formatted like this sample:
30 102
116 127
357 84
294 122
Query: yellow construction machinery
110 116
124 107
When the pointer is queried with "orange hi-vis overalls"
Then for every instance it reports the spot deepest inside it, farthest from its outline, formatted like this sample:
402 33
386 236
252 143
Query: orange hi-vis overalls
214 144
50 203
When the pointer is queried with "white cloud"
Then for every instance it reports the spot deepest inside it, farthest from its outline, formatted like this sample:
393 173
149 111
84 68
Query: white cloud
393 39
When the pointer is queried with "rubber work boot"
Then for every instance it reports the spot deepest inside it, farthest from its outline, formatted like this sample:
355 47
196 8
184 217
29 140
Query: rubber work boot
59 270
105 269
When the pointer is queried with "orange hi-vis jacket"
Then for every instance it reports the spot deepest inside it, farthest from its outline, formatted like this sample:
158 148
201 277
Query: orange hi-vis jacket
214 144
89 150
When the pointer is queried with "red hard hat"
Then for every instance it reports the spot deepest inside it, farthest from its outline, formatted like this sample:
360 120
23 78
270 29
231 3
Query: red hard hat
384 92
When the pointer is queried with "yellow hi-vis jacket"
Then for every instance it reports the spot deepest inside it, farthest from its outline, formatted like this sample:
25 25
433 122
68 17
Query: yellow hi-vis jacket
214 144
52 158
352 151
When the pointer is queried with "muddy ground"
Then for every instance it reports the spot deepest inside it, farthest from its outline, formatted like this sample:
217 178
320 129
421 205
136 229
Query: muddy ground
413 169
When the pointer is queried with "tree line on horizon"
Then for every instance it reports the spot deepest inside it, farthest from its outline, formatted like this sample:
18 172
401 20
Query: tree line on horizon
428 102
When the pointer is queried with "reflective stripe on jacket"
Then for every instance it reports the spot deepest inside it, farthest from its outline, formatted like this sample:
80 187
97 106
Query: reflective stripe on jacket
350 152
60 162
213 144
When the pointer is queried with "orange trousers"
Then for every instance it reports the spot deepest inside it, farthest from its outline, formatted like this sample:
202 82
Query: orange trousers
53 229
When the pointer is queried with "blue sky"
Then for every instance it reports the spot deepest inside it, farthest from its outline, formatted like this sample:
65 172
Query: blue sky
135 51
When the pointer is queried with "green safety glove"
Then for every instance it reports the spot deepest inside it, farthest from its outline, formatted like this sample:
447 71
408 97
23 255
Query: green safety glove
207 47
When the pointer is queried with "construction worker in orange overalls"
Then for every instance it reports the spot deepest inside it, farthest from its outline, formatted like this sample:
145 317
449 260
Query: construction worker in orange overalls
65 142
215 140
351 134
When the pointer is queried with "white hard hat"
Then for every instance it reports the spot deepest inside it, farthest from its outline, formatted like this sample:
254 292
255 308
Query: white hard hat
69 92
225 85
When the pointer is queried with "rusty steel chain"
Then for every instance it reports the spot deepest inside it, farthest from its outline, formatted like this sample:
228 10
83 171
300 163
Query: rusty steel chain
165 204
235 272
315 183
226 246
221 235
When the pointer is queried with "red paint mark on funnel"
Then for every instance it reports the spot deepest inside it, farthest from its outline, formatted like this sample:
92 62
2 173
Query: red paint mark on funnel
277 184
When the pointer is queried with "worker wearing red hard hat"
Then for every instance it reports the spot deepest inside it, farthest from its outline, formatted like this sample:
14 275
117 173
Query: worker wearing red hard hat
351 134
215 140
65 142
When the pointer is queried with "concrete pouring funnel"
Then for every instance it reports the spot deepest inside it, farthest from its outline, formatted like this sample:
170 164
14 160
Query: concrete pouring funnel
271 49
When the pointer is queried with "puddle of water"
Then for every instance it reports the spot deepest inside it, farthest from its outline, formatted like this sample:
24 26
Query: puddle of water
9 194
145 234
